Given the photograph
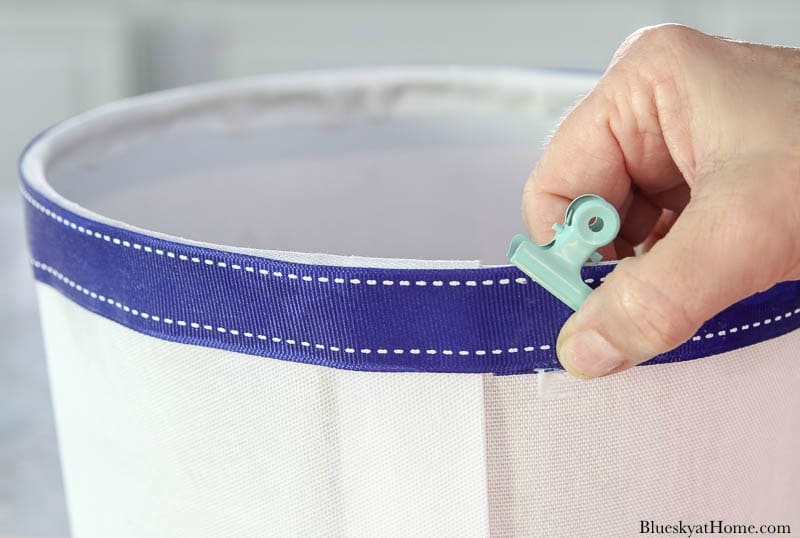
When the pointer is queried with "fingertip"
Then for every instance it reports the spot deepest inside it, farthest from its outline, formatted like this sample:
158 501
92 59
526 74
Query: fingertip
540 211
588 354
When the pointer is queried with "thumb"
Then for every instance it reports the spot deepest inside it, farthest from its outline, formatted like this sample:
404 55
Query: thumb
720 250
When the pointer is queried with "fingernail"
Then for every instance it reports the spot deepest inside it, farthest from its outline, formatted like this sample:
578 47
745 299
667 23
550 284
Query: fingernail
587 354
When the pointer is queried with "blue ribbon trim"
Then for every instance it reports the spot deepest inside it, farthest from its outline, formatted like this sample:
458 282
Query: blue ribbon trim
491 319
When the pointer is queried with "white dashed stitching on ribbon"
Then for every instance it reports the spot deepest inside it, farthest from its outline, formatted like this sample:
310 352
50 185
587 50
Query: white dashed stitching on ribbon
364 351
746 326
249 335
265 272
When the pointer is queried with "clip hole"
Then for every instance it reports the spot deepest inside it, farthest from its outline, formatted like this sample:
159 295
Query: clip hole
596 224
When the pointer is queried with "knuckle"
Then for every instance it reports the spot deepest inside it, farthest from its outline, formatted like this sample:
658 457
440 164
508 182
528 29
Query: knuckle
654 43
660 35
656 321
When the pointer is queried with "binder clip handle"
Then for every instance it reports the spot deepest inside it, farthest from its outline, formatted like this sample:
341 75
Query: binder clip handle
590 222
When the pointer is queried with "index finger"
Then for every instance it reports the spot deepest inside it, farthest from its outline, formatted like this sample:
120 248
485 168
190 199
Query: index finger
611 141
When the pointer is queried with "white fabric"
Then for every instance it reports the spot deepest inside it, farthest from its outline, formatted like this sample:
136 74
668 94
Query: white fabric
416 168
714 438
161 439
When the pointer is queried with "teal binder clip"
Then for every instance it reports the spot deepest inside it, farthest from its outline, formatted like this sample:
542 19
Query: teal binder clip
590 223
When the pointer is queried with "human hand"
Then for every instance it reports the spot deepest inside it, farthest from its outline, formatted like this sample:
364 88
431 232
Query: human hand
695 140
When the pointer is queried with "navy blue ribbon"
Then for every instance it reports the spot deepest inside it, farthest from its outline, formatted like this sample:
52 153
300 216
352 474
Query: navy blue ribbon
491 319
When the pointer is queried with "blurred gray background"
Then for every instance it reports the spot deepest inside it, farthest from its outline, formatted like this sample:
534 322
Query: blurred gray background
59 58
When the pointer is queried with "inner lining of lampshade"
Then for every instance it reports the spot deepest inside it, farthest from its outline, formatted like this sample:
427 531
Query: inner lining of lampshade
401 167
